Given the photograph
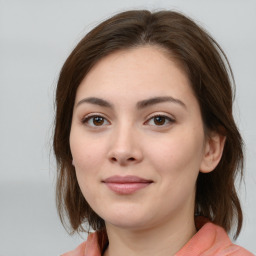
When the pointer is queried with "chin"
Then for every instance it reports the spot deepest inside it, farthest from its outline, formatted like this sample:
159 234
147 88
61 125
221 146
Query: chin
127 224
128 220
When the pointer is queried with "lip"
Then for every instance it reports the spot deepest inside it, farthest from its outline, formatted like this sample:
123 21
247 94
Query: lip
126 184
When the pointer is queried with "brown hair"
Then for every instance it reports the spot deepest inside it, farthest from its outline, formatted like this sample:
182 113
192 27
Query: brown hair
211 78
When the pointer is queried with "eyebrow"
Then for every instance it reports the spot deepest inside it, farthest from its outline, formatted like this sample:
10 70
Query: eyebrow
95 101
140 105
156 100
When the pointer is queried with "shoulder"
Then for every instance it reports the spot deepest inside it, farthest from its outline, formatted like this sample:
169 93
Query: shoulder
79 251
212 240
235 250
222 245
90 247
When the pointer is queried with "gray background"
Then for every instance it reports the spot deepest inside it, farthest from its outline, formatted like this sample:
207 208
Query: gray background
35 39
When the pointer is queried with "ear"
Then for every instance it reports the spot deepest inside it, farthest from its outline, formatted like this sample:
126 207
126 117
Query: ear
213 150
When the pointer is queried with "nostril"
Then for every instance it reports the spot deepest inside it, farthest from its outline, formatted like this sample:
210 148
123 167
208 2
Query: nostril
113 159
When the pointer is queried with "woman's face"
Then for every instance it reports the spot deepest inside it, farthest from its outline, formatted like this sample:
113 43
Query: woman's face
137 139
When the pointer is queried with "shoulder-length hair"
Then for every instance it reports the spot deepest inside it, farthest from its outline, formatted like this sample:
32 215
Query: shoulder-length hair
211 79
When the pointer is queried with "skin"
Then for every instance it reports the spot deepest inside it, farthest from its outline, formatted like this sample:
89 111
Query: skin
126 140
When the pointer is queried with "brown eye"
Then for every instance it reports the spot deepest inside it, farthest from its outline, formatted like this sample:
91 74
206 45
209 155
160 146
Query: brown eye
95 121
159 120
98 120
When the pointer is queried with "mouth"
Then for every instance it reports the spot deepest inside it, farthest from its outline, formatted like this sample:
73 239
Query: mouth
126 184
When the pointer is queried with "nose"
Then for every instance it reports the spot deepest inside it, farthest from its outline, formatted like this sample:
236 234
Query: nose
125 147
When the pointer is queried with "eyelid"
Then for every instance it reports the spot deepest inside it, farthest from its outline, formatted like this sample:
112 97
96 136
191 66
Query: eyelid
88 117
168 117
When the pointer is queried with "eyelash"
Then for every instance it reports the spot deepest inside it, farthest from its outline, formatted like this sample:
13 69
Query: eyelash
86 119
167 119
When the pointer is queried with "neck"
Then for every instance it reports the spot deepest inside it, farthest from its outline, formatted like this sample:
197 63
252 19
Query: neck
162 240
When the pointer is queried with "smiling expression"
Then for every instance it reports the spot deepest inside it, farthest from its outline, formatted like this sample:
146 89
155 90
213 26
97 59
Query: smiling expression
137 139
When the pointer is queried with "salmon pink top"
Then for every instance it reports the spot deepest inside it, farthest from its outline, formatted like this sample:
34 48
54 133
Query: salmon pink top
210 240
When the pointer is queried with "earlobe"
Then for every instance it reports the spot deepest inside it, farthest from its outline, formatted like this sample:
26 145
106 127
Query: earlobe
212 152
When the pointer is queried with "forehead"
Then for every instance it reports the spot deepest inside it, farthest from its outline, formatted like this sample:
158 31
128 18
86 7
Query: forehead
144 71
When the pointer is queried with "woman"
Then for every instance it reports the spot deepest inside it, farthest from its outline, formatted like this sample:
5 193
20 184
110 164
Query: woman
145 141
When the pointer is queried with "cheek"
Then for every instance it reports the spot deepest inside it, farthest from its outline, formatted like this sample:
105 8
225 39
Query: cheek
178 154
86 152
87 156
